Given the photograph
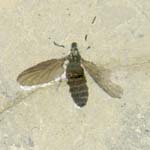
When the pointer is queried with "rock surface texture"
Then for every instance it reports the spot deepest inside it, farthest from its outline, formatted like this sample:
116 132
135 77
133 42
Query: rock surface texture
118 33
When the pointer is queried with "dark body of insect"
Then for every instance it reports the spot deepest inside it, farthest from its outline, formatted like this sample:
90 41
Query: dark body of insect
76 77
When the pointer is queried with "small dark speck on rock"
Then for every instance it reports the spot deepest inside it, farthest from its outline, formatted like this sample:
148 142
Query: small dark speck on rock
86 37
141 35
88 47
123 105
147 130
69 14
93 20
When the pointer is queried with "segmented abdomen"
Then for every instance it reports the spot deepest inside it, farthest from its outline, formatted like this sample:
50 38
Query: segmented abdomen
77 83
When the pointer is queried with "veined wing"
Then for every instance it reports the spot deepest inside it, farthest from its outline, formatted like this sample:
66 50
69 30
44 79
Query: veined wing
42 73
102 78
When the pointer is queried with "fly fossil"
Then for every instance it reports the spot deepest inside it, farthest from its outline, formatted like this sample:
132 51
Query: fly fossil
47 71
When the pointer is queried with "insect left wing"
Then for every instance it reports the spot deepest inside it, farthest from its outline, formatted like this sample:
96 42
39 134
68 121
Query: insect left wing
42 73
102 78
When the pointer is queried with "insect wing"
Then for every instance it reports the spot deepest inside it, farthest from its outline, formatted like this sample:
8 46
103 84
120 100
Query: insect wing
42 73
102 77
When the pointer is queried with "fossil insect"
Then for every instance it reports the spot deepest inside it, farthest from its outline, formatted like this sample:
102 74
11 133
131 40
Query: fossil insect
47 71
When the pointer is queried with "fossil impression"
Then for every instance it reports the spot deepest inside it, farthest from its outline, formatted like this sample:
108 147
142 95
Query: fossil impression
47 71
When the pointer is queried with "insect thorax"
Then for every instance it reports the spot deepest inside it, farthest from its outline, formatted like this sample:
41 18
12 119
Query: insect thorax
74 56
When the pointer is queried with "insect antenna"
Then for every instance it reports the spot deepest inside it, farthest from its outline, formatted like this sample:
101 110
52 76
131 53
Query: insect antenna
59 45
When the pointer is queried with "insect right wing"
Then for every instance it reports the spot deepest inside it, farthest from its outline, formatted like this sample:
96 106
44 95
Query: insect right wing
102 78
42 73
